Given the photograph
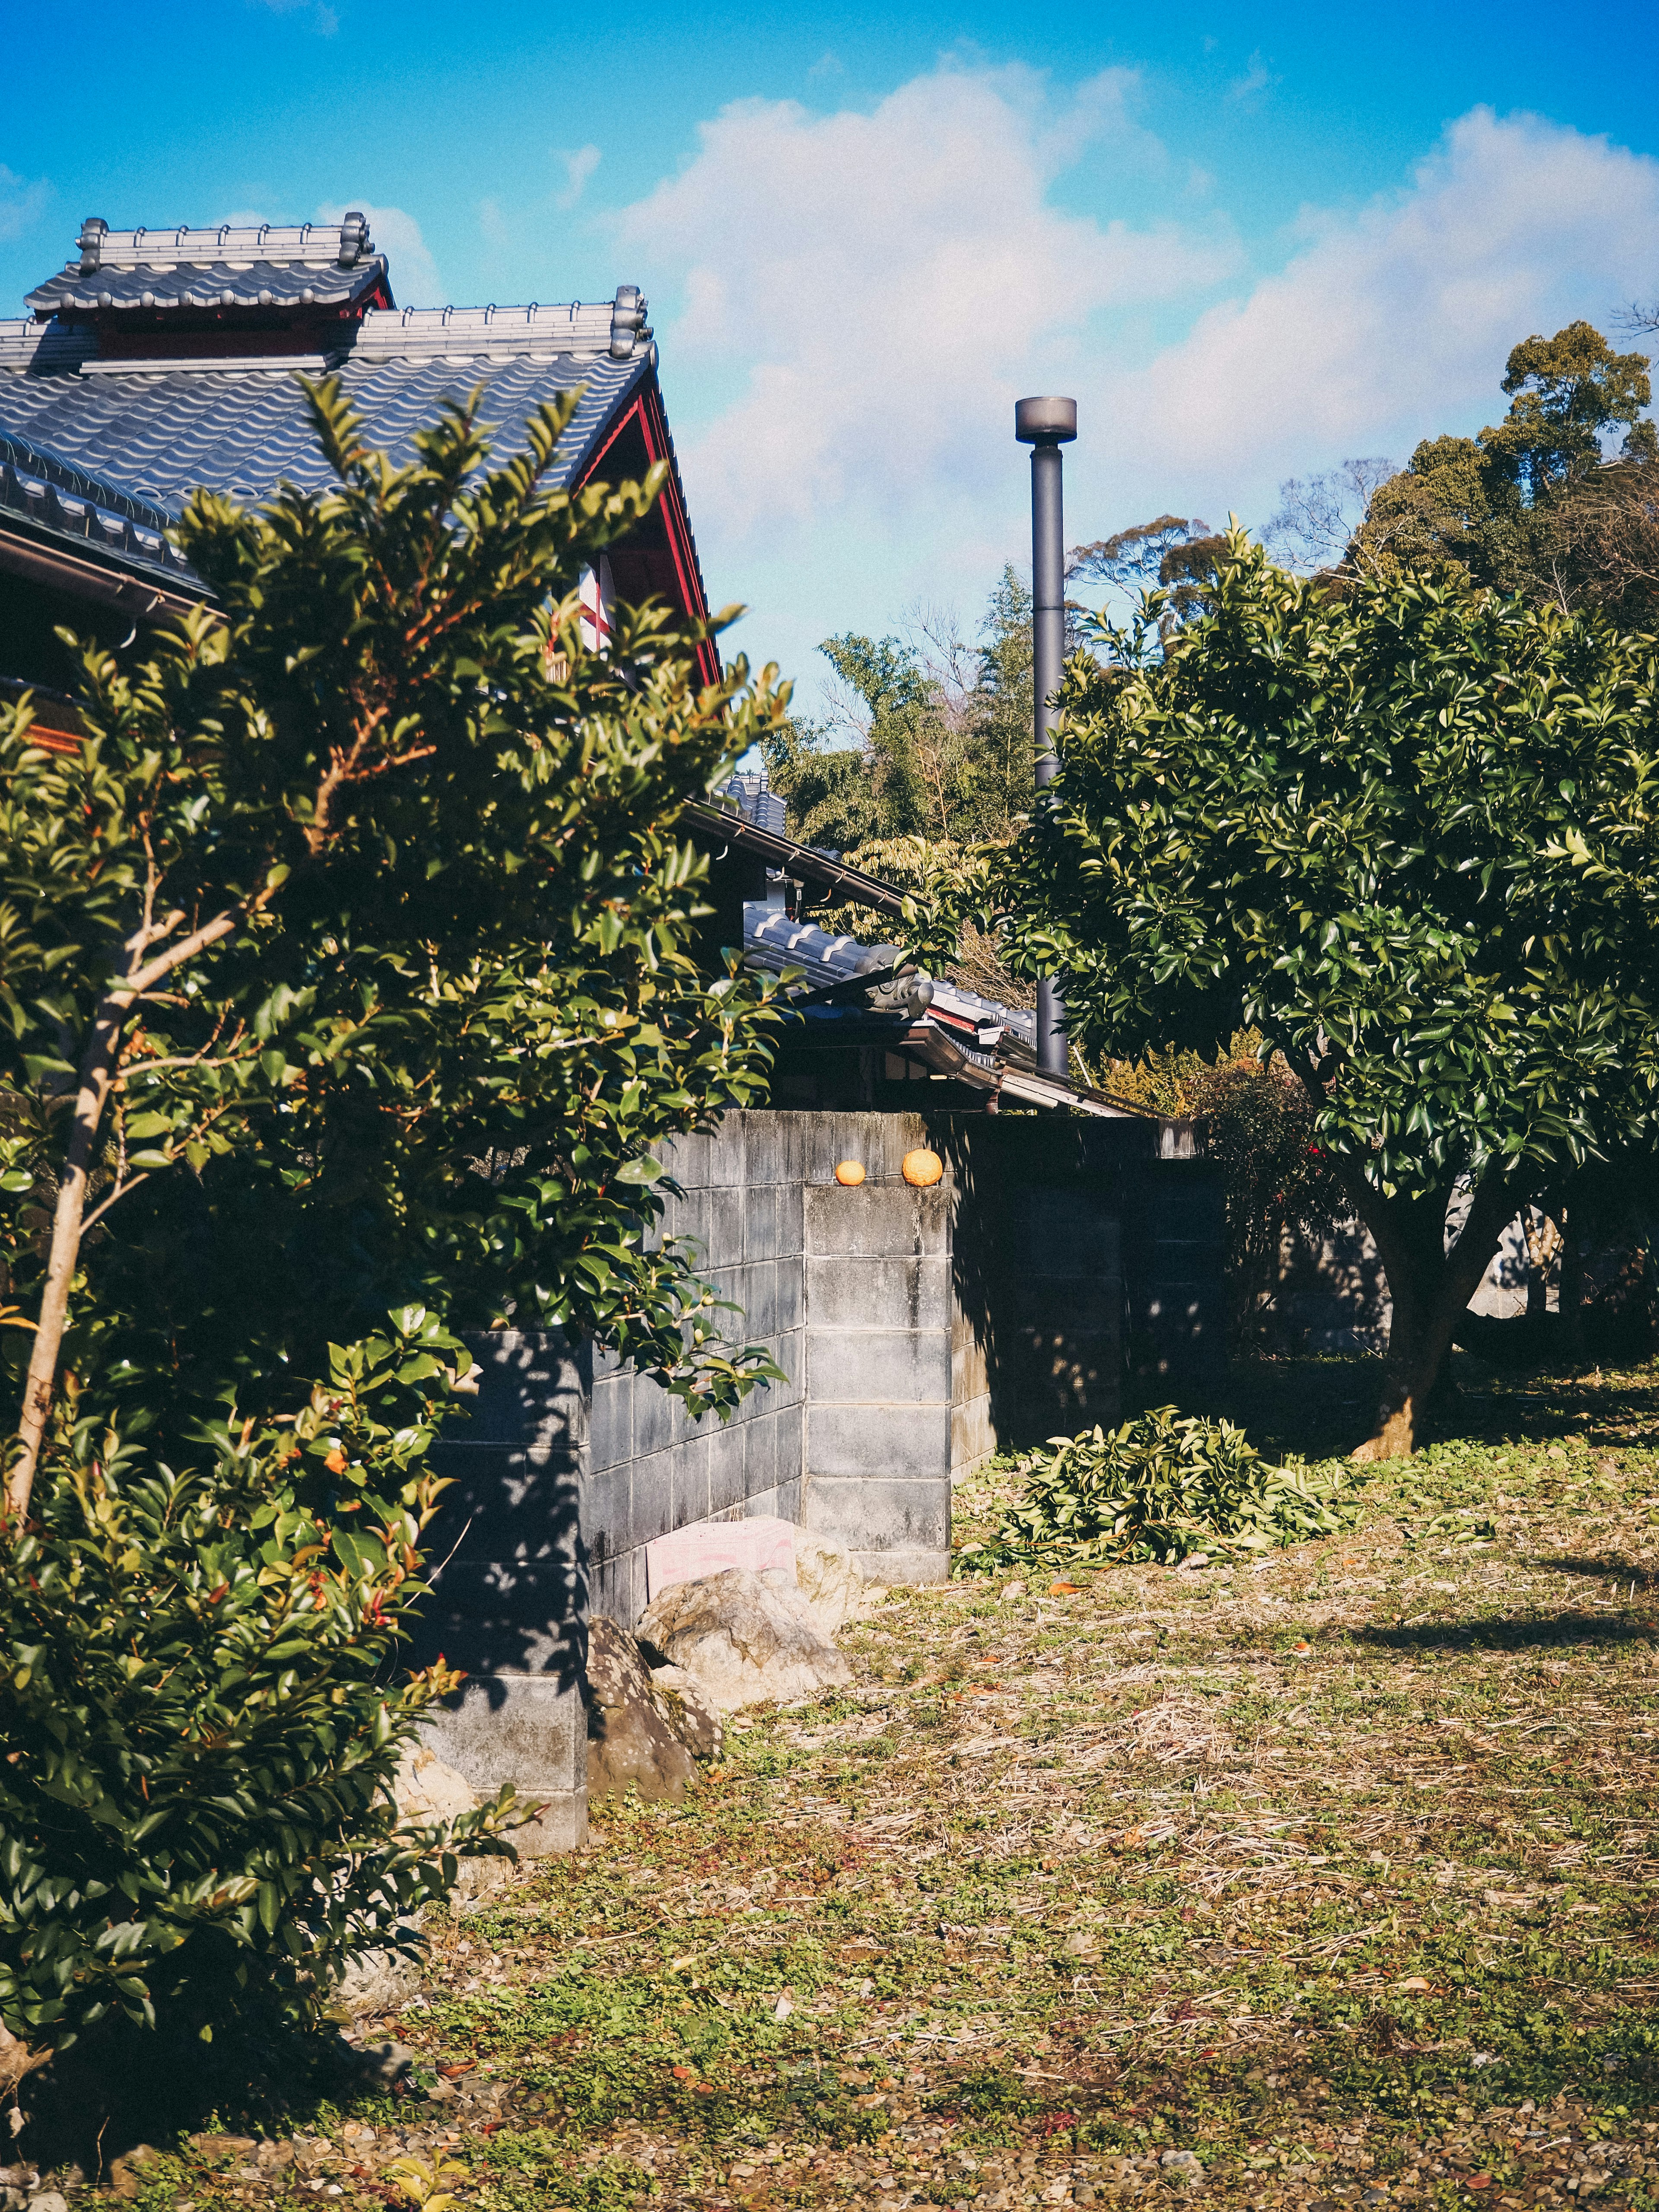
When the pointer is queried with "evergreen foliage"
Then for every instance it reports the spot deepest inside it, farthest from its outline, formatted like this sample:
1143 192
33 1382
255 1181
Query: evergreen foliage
1161 1487
346 967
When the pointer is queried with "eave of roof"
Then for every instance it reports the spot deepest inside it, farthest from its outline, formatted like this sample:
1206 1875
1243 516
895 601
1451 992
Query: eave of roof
724 825
205 285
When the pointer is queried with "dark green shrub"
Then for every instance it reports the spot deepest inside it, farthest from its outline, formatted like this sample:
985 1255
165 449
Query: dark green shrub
1160 1487
199 1715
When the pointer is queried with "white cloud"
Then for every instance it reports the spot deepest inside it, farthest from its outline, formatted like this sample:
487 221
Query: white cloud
23 200
324 21
415 279
1393 323
850 303
578 168
1257 79
884 286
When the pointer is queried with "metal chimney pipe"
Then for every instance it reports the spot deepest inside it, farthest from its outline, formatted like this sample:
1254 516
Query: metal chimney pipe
1046 425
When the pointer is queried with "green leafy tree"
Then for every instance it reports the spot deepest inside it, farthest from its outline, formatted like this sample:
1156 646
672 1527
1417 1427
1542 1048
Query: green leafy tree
1172 550
1532 505
345 967
942 730
1408 833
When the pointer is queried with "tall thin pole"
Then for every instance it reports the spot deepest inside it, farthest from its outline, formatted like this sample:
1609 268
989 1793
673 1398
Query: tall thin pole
1046 425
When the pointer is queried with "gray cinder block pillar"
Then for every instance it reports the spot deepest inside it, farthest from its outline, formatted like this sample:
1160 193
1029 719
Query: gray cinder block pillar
510 1602
879 1376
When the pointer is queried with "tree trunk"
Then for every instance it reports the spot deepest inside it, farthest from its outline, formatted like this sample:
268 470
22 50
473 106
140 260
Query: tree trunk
1571 1300
1543 1243
1431 1288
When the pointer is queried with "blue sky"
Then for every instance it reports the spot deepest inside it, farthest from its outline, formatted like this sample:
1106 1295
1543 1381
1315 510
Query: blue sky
1254 242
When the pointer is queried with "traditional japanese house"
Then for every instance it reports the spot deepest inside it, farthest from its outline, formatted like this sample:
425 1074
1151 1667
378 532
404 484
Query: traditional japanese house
156 360
916 1324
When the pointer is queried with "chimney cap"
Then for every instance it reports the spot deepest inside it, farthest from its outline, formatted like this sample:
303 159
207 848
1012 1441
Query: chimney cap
1045 421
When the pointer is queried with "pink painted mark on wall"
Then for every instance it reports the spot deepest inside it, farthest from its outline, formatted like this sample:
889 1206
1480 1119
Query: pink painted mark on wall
710 1547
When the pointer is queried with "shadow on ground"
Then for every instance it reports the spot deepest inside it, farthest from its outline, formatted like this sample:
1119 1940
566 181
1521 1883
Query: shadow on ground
1320 1409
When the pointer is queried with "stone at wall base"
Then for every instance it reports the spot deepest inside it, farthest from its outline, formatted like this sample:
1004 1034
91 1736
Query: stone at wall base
911 1569
562 1826
530 1731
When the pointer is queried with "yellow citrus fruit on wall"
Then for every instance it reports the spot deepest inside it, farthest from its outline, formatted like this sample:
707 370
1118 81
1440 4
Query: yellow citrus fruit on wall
851 1172
922 1168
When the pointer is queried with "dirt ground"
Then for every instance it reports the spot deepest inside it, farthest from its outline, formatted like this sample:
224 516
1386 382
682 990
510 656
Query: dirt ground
1323 1881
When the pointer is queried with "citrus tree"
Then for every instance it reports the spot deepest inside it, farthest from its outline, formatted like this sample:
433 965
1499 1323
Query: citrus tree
1408 831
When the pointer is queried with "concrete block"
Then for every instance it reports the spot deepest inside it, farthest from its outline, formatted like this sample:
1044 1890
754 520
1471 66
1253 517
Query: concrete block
507 1504
1069 1233
789 1290
775 1147
654 1497
760 1465
722 1226
532 1390
857 1291
653 1417
607 1510
909 1569
511 1616
689 1465
755 1288
872 1515
973 1434
790 1353
878 1441
728 1464
882 1220
771 1221
531 1730
609 1586
887 1366
611 1422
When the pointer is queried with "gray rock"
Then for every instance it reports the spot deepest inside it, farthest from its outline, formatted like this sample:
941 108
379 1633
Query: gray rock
744 1638
385 2063
425 1792
830 1582
48 2200
377 1982
687 1711
629 1741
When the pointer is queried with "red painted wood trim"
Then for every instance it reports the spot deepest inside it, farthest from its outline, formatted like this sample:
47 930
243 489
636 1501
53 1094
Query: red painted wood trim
647 411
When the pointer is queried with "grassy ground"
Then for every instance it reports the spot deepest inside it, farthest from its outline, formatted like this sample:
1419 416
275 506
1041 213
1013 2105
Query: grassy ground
1329 1882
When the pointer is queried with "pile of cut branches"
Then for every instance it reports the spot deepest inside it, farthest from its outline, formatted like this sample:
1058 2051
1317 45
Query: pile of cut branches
1161 1488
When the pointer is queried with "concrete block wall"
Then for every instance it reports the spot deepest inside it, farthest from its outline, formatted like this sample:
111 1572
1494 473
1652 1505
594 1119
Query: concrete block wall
917 1329
510 1590
651 1467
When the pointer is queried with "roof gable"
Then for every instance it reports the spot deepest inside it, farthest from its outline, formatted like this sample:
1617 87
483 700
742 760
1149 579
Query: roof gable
159 361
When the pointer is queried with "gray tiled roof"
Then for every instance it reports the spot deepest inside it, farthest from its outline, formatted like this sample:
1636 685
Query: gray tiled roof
152 435
210 284
108 450
260 264
69 502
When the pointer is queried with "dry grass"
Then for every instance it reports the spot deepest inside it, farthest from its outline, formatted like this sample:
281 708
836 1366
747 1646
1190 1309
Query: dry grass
1326 1882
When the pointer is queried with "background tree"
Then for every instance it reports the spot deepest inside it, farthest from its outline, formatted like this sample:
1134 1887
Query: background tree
1172 550
1408 833
929 735
1536 504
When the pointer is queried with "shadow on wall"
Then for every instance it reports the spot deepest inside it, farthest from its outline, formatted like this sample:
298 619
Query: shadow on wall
1078 1255
1333 1295
509 1571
